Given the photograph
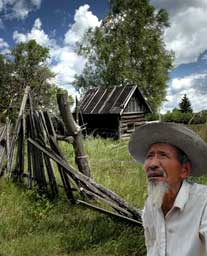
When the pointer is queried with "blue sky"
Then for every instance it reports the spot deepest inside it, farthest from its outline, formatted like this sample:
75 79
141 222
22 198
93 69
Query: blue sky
58 25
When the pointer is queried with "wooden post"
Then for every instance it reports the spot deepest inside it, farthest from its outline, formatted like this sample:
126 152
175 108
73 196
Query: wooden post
17 128
29 152
63 175
2 148
7 140
77 110
75 130
18 171
52 140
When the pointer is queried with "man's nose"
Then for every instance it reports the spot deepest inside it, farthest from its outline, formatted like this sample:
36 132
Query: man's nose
154 163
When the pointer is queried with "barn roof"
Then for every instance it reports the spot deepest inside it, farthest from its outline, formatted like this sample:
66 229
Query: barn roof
111 100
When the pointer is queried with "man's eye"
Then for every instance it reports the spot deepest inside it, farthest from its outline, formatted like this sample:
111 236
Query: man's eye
149 156
163 154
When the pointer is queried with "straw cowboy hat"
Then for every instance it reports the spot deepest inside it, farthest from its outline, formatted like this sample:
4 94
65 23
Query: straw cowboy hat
175 134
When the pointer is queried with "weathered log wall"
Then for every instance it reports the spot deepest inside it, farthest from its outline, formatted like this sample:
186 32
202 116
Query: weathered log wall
128 123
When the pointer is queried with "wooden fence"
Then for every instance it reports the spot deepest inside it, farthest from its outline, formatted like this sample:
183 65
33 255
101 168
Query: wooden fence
30 151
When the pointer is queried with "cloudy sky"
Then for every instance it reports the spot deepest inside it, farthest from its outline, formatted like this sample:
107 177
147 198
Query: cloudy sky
58 25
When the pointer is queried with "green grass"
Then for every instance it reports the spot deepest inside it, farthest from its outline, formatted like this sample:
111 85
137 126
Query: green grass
32 225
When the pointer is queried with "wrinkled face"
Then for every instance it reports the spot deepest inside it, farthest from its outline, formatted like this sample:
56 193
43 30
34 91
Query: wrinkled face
162 165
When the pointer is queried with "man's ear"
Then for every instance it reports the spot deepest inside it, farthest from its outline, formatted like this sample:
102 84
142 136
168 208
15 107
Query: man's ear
186 169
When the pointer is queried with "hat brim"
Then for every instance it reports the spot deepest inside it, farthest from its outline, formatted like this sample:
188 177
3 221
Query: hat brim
175 134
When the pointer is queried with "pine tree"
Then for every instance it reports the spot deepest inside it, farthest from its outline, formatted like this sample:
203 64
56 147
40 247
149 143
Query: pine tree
185 105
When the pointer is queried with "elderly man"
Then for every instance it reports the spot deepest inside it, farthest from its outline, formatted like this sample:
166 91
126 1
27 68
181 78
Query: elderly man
175 212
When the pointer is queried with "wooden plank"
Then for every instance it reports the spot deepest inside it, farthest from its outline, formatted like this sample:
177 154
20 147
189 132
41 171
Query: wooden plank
125 136
49 124
8 126
133 115
18 171
2 148
29 152
37 157
113 205
110 213
51 177
68 139
24 101
63 175
17 127
51 134
132 120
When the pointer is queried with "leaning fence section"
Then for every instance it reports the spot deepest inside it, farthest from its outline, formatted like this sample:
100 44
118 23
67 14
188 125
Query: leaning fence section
30 154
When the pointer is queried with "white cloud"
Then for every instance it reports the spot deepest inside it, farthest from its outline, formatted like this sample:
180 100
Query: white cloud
65 63
84 19
4 47
36 33
195 86
187 34
3 44
18 9
36 3
181 84
68 64
174 6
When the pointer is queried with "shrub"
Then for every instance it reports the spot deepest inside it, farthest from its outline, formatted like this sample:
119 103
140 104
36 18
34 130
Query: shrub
152 116
199 118
177 116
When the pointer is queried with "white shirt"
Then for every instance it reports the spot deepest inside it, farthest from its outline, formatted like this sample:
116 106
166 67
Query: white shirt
183 231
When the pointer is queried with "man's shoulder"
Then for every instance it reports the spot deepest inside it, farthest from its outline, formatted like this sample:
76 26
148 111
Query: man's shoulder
198 187
198 190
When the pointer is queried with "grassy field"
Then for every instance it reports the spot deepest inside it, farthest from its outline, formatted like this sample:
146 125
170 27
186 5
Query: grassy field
32 225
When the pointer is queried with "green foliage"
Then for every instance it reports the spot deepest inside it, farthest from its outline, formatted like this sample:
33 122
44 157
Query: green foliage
199 118
177 116
185 105
201 129
26 65
152 116
183 115
128 49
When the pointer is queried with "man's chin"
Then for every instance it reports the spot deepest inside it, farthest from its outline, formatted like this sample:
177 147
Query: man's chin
156 180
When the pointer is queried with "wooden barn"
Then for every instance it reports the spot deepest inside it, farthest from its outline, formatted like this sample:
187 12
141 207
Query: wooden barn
113 112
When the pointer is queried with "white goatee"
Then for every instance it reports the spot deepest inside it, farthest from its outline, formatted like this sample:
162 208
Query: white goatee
156 192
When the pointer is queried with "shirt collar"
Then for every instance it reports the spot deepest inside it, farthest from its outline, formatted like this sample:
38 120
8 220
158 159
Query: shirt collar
182 196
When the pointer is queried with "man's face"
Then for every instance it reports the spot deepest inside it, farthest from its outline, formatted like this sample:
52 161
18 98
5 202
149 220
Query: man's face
161 165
